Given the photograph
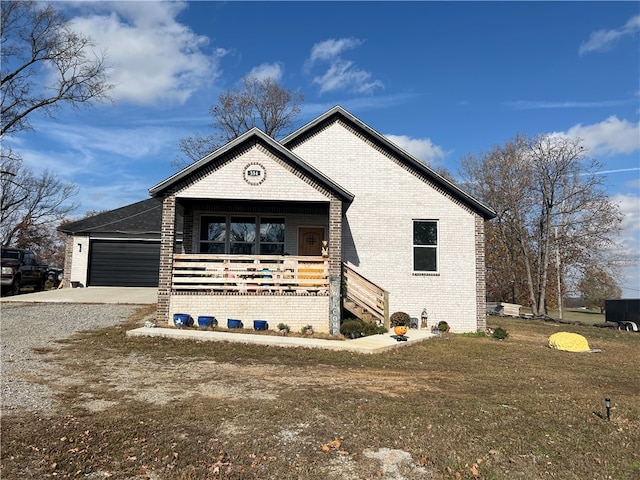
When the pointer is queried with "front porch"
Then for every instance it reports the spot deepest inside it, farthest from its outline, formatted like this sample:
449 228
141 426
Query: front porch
250 275
294 290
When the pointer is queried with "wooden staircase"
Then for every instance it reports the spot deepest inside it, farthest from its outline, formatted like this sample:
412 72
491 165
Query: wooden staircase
363 298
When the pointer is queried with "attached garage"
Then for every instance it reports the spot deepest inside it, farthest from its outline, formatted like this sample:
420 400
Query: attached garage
116 248
116 263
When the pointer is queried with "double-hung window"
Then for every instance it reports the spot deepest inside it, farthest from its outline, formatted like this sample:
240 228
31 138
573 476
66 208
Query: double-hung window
425 246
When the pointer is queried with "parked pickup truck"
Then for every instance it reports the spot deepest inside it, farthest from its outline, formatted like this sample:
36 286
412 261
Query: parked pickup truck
20 268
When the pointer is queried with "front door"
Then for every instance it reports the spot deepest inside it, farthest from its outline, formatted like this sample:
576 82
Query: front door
310 240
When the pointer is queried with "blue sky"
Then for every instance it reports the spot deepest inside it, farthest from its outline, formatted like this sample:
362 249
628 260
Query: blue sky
442 79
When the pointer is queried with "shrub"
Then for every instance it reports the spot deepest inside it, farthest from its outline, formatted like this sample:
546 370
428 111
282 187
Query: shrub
443 326
355 328
284 328
400 319
500 333
352 328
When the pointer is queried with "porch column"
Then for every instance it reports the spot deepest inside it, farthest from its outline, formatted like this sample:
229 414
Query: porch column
335 264
481 282
167 242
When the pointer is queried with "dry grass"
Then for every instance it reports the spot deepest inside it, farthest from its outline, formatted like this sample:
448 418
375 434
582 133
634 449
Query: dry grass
462 406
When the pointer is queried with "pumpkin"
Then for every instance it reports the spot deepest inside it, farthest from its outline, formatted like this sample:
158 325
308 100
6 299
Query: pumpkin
400 330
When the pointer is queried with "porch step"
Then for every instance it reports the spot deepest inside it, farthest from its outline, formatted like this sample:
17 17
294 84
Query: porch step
358 311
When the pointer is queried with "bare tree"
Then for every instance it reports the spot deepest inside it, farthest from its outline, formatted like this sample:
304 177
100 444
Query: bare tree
31 206
45 64
37 42
551 207
262 103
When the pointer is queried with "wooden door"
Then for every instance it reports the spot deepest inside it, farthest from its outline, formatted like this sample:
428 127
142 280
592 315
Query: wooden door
310 240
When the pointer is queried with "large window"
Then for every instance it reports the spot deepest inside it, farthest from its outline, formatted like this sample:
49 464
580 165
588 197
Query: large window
425 246
213 234
271 236
242 235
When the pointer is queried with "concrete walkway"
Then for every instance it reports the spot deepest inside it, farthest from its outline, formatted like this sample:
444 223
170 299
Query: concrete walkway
149 296
123 295
370 344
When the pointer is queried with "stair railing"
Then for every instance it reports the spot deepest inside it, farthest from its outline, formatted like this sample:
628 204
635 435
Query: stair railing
365 294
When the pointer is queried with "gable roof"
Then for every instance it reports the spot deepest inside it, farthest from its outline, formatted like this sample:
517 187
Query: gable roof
339 113
253 135
139 217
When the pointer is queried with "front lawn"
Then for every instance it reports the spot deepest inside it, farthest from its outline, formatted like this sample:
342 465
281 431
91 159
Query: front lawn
452 407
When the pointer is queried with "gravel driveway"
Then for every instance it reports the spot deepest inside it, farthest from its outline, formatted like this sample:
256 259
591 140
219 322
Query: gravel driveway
28 326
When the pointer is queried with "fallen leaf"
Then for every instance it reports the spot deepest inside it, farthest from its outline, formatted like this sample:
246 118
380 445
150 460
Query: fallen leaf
325 448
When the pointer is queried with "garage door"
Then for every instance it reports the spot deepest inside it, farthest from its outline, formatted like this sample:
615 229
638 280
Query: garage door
124 263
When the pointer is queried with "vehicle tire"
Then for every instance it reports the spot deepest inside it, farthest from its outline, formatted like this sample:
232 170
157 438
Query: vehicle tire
15 287
627 326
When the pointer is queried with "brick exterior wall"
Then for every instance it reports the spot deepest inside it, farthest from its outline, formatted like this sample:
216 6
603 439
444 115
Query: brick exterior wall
68 261
378 228
226 181
335 265
374 235
481 286
167 242
296 311
76 259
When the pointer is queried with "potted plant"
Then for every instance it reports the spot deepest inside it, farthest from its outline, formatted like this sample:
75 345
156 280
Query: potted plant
283 328
443 327
400 323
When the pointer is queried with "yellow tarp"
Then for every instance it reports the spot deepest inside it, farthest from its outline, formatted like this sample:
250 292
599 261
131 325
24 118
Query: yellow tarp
569 342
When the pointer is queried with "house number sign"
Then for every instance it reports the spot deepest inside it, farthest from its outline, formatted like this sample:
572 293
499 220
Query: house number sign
254 173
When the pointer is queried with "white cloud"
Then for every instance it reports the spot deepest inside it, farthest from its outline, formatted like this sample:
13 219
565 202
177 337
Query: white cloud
154 58
274 71
341 74
604 39
633 183
331 49
421 148
609 137
132 143
541 104
630 241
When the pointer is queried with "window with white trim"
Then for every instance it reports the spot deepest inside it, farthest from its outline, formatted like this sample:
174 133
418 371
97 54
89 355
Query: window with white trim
425 246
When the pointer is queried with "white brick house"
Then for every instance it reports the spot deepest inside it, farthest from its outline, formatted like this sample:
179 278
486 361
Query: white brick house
333 215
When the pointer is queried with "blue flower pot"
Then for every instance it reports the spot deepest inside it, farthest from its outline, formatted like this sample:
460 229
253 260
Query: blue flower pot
205 321
232 323
260 325
181 320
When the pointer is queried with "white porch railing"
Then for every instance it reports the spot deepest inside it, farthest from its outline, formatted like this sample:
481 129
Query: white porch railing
235 274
